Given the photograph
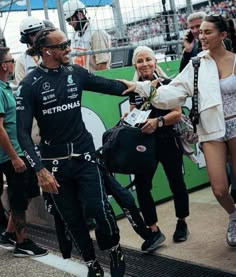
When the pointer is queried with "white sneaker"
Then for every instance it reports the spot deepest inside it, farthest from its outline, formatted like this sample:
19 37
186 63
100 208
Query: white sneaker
231 233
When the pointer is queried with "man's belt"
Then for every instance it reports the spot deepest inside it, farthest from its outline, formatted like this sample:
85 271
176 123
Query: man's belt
59 151
66 151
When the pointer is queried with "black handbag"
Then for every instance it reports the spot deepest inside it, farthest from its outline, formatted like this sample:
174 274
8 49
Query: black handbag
127 150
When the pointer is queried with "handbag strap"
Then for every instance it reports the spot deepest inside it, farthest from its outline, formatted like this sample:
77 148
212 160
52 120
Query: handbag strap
194 115
146 104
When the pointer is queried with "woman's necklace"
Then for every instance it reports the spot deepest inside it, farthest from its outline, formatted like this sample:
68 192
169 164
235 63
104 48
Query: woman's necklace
219 61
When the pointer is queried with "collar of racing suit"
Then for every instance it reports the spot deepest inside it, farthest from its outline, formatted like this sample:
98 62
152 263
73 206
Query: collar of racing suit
47 70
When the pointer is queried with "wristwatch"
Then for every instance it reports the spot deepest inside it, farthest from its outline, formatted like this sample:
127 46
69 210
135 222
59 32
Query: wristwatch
160 121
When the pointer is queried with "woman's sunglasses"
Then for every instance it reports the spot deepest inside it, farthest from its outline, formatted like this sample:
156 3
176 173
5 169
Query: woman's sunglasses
62 46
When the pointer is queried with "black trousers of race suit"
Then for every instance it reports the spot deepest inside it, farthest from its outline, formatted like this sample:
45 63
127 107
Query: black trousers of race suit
82 191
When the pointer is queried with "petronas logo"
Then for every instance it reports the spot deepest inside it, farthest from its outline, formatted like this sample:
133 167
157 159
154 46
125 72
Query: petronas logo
69 79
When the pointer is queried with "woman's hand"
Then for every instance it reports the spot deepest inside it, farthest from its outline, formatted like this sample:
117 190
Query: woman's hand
124 115
47 181
131 85
150 126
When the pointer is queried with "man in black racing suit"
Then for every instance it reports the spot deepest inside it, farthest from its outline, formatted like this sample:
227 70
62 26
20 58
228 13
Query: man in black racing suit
52 94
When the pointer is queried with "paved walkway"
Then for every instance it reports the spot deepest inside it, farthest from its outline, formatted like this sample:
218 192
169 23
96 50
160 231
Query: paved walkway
206 244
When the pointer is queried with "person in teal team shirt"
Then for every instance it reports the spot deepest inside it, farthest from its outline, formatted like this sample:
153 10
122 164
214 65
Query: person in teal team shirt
14 166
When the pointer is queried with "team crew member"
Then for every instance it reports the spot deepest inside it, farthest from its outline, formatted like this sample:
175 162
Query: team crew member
29 27
86 37
18 174
52 94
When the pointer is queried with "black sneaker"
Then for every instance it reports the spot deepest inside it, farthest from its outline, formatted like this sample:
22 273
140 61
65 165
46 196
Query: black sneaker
95 270
29 249
153 242
117 264
8 240
181 232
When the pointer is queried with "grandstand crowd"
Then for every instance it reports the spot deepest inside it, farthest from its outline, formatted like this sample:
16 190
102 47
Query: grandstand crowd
156 26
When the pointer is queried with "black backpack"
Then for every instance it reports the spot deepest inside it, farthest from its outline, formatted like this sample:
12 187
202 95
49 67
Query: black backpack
129 151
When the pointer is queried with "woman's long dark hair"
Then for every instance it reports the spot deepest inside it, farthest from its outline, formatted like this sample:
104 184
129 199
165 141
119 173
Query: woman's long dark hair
232 34
40 41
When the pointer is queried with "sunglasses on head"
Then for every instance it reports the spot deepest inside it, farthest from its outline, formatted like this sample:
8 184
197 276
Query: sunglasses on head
8 61
218 15
62 46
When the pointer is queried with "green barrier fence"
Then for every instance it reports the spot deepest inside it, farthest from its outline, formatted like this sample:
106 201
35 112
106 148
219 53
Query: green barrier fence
101 112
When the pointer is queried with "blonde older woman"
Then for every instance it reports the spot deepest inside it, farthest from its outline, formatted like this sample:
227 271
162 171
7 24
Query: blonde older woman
169 152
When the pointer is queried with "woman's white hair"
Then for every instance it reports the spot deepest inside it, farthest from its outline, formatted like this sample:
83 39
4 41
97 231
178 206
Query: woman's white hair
142 49
148 50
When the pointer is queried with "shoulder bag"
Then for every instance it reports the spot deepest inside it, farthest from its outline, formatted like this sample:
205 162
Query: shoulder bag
127 150
186 127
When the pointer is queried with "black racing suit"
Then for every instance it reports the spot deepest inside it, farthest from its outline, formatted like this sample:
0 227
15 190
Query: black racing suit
53 97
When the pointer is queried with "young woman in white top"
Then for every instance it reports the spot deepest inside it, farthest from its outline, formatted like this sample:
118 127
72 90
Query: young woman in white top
216 106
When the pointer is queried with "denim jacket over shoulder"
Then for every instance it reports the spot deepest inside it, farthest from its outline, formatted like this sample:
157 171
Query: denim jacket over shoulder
210 107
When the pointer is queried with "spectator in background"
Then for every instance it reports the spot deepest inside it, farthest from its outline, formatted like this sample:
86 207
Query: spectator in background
86 37
29 27
19 174
26 62
192 45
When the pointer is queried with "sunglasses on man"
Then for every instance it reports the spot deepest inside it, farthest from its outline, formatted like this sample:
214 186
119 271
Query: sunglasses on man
8 61
62 46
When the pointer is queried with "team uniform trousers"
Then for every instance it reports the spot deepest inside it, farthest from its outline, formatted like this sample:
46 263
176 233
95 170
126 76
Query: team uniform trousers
127 203
169 154
82 192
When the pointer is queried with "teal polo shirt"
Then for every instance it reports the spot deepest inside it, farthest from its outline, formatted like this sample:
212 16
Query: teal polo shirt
8 112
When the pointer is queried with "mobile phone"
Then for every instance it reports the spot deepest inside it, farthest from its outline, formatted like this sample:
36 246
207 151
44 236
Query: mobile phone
190 37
